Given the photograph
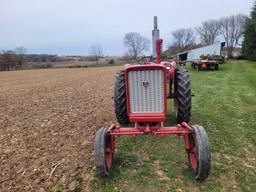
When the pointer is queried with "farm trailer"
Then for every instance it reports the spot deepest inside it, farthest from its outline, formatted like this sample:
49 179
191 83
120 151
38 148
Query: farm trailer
205 64
204 57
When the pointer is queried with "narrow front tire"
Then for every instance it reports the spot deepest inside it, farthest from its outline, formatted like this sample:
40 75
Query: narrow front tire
103 152
199 155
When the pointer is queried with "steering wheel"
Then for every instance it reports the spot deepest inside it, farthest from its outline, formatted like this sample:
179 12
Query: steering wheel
143 60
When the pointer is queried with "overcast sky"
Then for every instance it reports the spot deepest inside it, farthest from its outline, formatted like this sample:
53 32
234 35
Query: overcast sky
69 27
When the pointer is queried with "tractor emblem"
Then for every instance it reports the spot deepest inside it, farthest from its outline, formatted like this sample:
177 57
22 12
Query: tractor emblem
145 84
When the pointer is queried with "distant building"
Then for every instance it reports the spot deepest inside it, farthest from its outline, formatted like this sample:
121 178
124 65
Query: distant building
194 54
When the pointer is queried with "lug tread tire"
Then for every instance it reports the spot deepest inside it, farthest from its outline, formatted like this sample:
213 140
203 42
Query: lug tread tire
183 93
120 99
100 155
204 154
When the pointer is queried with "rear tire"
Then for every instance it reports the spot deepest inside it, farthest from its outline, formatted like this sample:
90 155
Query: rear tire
199 155
103 154
182 101
120 99
216 67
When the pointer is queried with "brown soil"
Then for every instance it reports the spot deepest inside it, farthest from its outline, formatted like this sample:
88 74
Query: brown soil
48 119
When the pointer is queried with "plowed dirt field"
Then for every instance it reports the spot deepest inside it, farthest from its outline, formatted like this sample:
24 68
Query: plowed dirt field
48 119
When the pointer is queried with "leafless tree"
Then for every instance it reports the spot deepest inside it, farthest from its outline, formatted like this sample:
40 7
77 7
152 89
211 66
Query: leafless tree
183 38
20 53
96 51
232 30
209 31
2 66
7 60
136 44
172 50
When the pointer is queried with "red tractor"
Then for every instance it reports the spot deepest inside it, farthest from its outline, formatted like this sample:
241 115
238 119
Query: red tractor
140 97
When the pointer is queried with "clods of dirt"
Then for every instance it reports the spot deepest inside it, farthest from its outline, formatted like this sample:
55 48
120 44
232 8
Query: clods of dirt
48 119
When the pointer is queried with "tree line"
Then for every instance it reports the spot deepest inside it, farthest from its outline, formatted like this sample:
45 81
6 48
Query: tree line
234 30
249 43
19 58
12 59
228 29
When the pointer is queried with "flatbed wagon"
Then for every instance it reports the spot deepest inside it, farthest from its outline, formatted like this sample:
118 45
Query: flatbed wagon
205 64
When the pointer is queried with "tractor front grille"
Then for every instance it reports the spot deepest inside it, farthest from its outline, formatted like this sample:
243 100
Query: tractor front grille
146 91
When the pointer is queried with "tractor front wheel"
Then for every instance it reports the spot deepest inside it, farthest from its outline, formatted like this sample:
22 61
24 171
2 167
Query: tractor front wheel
199 155
120 99
103 147
182 101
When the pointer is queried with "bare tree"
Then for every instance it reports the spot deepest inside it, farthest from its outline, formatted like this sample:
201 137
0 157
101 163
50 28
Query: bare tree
136 44
183 38
8 60
232 30
209 31
96 51
2 65
172 50
20 53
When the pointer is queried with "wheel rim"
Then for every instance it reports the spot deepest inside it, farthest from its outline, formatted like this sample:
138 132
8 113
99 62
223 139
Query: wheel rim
193 153
108 152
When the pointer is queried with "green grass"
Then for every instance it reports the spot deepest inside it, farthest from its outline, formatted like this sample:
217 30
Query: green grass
100 64
224 102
